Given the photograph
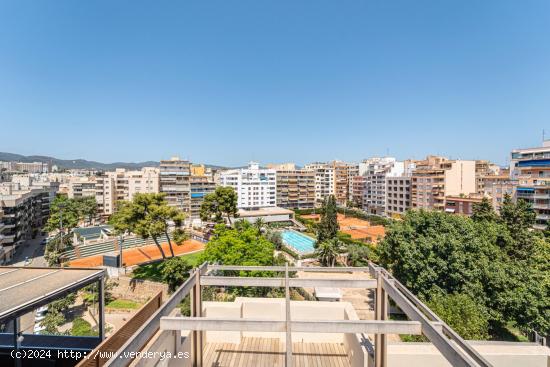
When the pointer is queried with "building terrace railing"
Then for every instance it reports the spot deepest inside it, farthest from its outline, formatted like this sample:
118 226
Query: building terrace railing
423 320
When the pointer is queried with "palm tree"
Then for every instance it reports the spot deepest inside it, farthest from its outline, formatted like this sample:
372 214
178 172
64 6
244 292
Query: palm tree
327 252
259 224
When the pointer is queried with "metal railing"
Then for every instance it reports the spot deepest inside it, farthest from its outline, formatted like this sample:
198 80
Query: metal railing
423 321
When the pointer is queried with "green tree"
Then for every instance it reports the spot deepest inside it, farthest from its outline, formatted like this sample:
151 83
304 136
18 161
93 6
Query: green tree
149 216
327 252
86 208
259 224
219 204
462 313
174 272
432 252
63 213
55 316
484 211
518 217
358 255
275 238
230 246
328 225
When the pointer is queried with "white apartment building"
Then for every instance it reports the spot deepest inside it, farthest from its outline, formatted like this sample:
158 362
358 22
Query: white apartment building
324 180
376 170
256 187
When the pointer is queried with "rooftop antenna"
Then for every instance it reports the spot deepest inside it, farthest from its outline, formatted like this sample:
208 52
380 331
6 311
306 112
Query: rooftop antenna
543 137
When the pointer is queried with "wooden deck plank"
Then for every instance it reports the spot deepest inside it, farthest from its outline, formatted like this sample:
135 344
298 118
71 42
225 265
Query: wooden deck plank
337 358
270 352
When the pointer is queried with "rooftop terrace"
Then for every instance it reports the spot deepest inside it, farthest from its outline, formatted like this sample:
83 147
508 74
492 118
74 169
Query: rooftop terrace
271 331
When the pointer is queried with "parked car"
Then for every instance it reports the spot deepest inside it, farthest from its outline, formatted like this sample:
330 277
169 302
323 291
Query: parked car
38 328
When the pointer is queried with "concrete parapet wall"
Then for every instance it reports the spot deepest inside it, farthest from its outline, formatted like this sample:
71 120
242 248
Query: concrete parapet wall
499 354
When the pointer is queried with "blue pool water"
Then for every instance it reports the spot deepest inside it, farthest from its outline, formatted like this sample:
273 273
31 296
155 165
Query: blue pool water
300 242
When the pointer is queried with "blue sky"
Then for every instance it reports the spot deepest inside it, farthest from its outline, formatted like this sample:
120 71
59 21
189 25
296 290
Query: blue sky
225 82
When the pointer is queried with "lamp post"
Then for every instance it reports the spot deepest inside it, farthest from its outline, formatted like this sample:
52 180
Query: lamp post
121 243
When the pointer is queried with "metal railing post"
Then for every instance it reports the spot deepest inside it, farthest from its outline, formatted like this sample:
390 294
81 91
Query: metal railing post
381 314
288 330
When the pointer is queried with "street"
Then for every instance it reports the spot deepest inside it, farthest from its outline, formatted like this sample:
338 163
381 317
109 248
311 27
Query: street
32 250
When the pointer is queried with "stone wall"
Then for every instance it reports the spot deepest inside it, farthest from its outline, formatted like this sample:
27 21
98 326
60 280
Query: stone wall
139 290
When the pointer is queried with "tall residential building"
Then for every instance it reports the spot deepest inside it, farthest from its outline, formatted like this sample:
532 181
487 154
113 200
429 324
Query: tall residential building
81 187
324 180
295 188
357 190
121 184
398 195
437 177
483 169
256 187
175 182
201 186
342 181
375 171
353 171
25 211
5 253
531 168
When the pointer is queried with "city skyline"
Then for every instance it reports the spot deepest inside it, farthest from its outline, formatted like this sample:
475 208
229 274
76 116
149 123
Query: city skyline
224 83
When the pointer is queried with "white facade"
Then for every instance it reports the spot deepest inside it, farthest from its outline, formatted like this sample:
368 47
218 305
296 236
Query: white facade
376 170
324 180
256 187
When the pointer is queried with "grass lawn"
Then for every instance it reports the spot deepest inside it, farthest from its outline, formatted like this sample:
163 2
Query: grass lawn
124 304
152 271
82 327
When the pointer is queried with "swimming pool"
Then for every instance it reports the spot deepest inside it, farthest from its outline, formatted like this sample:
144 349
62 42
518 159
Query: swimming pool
299 242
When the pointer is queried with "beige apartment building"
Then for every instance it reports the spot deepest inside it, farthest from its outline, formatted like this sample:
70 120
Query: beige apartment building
79 187
175 182
333 178
357 190
295 188
437 177
341 181
484 169
121 184
200 186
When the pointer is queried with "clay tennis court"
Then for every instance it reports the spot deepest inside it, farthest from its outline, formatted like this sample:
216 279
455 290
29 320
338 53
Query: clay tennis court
358 229
140 255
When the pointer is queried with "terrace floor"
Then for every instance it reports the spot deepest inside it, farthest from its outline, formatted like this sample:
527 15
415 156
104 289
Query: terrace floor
256 352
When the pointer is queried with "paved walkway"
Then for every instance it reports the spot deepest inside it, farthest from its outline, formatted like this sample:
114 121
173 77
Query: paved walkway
138 255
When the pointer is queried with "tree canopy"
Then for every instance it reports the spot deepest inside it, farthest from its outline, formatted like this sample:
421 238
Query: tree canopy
69 212
238 246
148 216
434 252
220 204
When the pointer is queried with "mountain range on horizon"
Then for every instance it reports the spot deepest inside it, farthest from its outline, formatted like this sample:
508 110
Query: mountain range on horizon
80 163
